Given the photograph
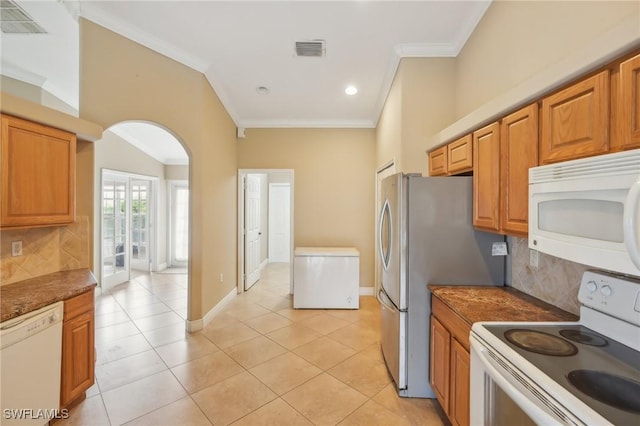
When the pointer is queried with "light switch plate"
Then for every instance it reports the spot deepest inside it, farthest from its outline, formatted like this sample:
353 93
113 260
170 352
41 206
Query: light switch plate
499 249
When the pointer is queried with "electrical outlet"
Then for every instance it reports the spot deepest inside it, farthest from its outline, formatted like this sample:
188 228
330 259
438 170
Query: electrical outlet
221 278
499 249
533 258
16 248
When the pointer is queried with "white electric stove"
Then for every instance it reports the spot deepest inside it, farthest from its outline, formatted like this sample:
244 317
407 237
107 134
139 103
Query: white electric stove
563 373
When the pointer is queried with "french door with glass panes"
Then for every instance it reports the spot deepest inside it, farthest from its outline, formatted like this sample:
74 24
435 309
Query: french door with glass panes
127 209
115 229
140 223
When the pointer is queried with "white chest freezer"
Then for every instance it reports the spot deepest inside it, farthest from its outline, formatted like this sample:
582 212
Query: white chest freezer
326 278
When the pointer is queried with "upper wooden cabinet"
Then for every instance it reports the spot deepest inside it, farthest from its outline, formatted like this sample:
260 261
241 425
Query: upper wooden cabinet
518 152
628 103
438 162
454 158
38 174
486 177
575 121
460 155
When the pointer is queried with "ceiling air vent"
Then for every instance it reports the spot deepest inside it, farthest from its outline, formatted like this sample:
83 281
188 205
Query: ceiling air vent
14 20
311 48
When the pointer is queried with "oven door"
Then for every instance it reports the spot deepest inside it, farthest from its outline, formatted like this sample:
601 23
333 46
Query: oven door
501 395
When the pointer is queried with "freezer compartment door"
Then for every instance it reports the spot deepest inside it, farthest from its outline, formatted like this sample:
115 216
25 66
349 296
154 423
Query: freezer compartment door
392 240
393 340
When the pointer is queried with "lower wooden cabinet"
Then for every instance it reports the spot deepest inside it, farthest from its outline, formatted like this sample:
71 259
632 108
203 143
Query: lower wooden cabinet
78 353
439 362
460 374
450 362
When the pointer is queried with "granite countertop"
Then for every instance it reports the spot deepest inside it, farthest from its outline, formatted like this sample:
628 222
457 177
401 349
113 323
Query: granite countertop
25 296
476 303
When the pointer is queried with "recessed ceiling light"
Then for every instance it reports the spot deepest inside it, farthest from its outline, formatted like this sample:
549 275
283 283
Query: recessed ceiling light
262 90
351 90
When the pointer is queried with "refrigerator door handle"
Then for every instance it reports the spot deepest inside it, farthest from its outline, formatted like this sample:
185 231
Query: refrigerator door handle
385 215
387 302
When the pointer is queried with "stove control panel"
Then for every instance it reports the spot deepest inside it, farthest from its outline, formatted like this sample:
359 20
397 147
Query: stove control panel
614 295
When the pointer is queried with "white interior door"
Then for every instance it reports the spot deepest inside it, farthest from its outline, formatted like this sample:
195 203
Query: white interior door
387 170
252 230
115 230
279 222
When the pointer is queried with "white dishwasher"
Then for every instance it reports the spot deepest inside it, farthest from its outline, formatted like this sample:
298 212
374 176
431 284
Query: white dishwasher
326 278
31 359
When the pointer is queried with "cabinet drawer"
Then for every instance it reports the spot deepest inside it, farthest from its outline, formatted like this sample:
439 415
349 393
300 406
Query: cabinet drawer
575 121
460 155
78 305
438 162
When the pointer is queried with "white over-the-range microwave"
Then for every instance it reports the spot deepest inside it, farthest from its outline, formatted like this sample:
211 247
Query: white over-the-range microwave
588 211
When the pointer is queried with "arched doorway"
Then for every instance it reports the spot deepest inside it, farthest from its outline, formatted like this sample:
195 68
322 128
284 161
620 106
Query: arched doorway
138 165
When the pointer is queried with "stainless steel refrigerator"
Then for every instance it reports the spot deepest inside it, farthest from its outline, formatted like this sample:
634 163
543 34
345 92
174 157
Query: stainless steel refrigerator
425 237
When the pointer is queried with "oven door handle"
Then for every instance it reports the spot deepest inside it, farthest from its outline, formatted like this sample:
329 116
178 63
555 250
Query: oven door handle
630 219
537 414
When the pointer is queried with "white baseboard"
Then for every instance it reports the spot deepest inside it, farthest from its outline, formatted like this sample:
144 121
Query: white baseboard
162 266
199 324
264 264
367 291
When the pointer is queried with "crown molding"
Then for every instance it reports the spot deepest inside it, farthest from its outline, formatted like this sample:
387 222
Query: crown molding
309 124
88 11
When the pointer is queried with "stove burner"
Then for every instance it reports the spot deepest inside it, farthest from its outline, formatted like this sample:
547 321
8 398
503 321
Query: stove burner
583 337
539 342
616 391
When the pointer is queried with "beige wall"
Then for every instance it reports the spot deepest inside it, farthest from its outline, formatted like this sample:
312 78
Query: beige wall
420 103
121 80
428 105
517 39
85 156
389 128
334 174
174 172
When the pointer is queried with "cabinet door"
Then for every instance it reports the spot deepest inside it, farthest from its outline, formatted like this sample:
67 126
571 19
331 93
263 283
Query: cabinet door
438 162
575 121
38 174
629 104
460 155
77 357
518 152
460 369
439 362
486 177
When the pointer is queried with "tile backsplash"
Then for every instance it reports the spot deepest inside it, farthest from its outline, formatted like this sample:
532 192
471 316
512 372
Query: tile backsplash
555 280
45 250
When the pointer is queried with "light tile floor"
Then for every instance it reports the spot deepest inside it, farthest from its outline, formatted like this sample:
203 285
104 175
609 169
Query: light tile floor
259 362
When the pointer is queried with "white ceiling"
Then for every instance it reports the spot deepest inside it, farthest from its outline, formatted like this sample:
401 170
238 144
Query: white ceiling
241 45
153 140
